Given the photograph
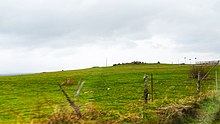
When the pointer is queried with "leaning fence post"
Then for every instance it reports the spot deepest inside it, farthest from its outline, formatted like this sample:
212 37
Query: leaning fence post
78 89
145 88
152 88
76 108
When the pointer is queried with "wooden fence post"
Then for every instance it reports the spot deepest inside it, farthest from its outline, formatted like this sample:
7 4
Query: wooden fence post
75 107
198 84
80 85
152 88
145 88
216 80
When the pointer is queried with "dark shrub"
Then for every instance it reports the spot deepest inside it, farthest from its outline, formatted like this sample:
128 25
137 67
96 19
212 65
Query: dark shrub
196 69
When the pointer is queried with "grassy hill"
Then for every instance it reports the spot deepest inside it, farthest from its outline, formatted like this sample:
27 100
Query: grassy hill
110 94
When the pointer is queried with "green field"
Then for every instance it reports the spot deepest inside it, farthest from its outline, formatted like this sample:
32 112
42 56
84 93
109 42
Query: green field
114 93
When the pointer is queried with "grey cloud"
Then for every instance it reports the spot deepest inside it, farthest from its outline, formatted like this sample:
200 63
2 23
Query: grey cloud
76 25
58 24
194 26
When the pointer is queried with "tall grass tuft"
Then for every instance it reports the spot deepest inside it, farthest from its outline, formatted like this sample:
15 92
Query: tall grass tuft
66 115
63 115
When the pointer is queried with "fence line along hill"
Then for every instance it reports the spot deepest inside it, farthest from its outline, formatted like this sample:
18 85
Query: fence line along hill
109 95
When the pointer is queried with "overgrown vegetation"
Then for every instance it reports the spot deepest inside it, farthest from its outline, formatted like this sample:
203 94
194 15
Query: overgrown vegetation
209 108
116 94
217 118
203 111
66 115
199 69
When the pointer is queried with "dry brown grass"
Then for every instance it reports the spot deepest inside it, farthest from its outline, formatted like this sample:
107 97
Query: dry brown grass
69 82
66 115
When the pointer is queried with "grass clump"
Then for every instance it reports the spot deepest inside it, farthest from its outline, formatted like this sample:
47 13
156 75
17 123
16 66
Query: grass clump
66 115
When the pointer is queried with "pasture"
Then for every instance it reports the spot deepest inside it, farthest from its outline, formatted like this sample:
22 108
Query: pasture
115 94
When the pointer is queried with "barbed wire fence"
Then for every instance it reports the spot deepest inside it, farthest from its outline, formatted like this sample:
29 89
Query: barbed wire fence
41 106
206 82
25 106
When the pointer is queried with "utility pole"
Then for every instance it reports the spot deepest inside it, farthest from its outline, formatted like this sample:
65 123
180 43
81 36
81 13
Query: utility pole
195 60
185 59
106 62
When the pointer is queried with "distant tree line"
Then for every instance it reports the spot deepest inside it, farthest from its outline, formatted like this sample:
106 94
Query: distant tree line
133 63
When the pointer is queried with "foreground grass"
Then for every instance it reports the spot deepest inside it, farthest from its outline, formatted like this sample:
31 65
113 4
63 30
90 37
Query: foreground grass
117 91
209 108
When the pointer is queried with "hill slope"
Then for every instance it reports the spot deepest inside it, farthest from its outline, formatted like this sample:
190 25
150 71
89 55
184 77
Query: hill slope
115 92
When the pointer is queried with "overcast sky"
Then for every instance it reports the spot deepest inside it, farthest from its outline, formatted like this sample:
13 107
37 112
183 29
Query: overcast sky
53 35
